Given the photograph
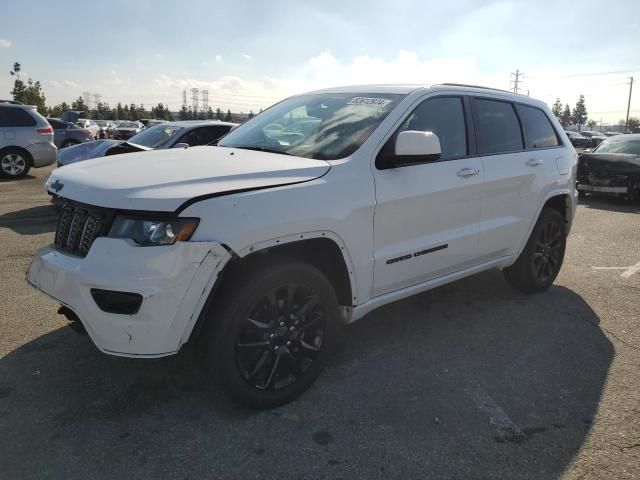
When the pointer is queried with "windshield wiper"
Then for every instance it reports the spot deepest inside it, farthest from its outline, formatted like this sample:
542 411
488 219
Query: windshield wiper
265 149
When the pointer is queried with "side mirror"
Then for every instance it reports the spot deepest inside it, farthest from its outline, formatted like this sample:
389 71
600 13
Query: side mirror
181 145
413 146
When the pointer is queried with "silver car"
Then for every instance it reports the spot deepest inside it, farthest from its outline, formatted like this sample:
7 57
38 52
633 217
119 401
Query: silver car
26 140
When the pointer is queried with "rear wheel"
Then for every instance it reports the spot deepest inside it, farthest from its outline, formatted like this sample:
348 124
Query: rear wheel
539 263
268 339
14 163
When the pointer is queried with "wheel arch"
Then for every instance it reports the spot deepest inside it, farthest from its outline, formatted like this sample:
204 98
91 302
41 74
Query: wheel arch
23 150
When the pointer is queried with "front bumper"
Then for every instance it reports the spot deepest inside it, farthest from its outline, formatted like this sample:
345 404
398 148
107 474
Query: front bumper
174 282
593 188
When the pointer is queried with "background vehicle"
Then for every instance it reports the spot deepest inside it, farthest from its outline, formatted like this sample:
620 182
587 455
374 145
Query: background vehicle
125 130
13 102
26 140
595 137
612 168
89 125
166 135
105 127
153 123
68 134
612 134
268 243
578 140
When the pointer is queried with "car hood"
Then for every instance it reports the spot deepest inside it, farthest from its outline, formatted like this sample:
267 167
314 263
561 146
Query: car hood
162 180
86 151
608 164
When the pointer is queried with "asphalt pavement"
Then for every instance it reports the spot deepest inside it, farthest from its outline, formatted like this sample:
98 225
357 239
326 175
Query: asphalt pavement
472 380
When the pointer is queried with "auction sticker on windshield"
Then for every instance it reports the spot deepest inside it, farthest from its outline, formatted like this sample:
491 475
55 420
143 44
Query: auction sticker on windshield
376 102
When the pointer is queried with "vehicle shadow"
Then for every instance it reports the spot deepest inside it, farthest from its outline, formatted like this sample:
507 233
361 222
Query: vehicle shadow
7 180
31 221
610 203
471 380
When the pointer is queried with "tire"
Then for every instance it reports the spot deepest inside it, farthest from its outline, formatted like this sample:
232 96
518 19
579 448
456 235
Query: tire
268 339
70 143
539 263
14 163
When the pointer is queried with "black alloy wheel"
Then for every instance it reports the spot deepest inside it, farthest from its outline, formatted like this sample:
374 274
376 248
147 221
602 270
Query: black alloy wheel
281 337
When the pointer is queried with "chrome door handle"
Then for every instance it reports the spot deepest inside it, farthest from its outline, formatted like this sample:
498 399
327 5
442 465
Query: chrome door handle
534 162
468 172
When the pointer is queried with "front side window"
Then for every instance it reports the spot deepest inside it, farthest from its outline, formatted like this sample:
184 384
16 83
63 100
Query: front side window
538 131
204 135
444 117
325 126
497 127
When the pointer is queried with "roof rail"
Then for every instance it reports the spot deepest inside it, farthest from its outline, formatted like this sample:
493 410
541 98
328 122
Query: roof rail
475 86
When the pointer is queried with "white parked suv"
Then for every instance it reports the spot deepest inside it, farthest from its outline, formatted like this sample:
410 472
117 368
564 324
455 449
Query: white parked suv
263 245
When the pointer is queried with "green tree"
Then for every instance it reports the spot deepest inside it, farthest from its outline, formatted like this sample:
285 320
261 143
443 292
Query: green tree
228 117
57 110
566 119
119 112
126 115
210 114
591 124
183 114
219 114
30 94
580 113
556 108
251 114
79 105
633 123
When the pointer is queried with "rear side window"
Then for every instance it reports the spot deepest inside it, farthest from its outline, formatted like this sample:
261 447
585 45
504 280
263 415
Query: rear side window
15 117
444 117
538 131
497 127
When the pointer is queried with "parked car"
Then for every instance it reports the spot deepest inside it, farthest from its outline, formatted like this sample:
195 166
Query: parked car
67 134
105 128
191 133
612 134
153 123
578 140
89 125
13 102
26 140
261 247
595 137
612 168
126 130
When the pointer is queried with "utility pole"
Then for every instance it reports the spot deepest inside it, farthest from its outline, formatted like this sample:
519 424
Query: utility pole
626 123
516 81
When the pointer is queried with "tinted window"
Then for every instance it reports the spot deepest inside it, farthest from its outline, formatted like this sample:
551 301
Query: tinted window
203 135
497 127
15 117
445 118
538 132
58 125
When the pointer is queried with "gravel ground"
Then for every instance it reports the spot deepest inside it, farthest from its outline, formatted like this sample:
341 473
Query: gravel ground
472 380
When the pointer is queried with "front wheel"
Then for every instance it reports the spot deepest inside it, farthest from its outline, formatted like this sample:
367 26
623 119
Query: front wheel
14 163
539 263
268 340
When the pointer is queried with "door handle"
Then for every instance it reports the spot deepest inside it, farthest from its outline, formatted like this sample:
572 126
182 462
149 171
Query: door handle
468 172
534 162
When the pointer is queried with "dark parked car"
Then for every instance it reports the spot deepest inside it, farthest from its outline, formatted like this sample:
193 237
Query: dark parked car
126 130
166 135
612 168
66 134
578 141
595 137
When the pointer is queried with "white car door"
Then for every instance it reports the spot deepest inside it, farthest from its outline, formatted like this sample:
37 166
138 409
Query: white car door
427 212
517 163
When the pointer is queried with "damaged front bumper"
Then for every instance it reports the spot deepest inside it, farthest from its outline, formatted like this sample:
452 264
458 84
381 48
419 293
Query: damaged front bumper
173 283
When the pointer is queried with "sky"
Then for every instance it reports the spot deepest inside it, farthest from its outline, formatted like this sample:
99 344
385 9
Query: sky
250 54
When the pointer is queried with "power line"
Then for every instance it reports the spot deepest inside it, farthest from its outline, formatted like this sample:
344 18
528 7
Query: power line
516 82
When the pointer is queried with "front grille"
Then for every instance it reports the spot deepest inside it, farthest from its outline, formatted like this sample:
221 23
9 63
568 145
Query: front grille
79 226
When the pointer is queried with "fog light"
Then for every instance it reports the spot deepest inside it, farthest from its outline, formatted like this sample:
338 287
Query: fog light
122 303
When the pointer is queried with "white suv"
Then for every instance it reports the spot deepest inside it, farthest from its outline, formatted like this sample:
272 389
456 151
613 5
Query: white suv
263 245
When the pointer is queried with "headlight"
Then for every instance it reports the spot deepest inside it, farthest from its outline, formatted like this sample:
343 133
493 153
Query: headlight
153 231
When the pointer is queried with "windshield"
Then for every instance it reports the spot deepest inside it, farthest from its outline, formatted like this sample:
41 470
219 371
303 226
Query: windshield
620 145
325 126
154 136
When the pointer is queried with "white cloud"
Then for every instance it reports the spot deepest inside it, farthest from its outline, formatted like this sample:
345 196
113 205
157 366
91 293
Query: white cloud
70 84
4 43
219 59
246 56
55 84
